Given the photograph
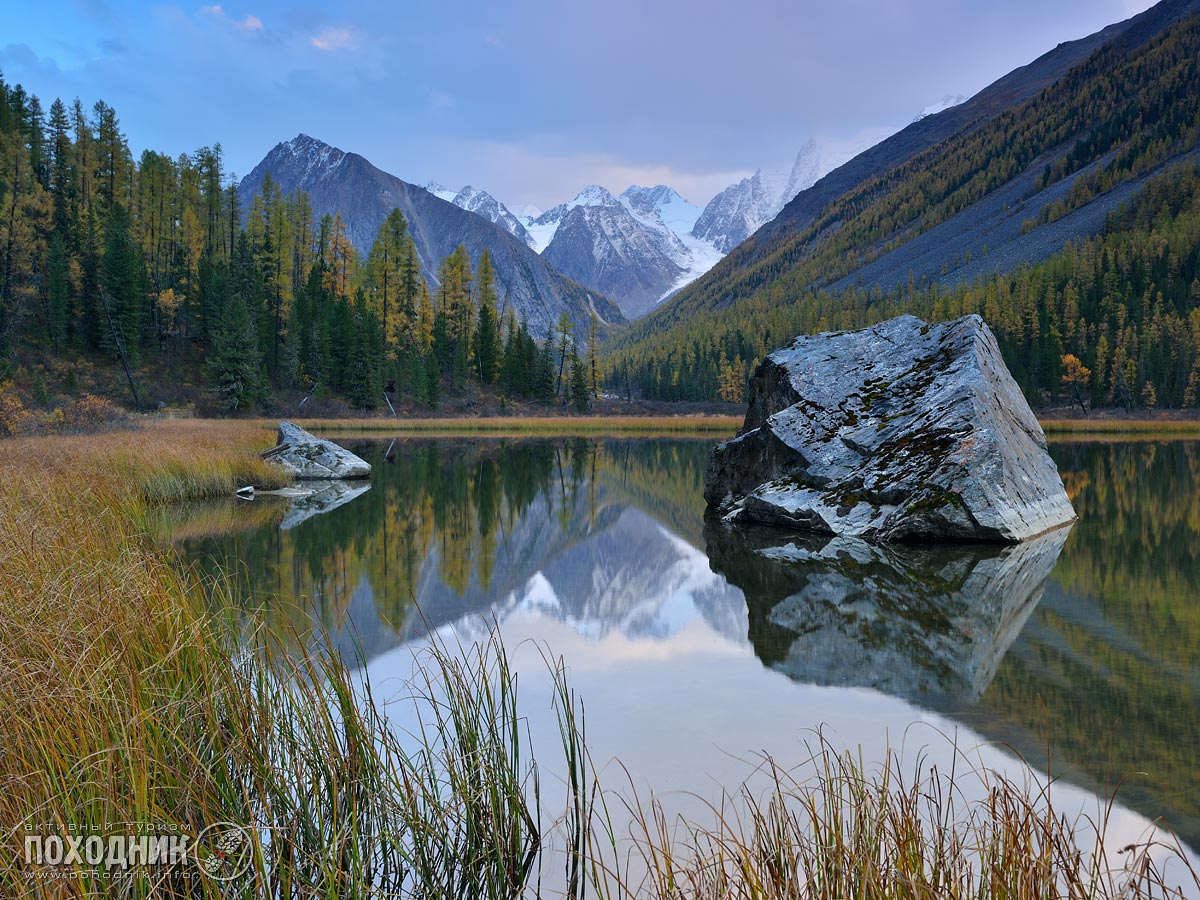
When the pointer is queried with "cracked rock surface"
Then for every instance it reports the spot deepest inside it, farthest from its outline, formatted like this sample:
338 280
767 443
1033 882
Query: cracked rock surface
899 432
303 455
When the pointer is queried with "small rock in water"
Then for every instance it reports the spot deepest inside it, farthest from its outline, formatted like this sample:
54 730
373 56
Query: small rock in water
304 455
899 432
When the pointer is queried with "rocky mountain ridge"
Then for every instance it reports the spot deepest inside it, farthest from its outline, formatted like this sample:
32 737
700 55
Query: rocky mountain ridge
347 183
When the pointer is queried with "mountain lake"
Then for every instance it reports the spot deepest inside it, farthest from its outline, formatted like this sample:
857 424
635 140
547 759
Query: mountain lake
696 650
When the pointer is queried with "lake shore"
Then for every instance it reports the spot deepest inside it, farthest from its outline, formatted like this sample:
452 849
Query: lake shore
126 700
705 425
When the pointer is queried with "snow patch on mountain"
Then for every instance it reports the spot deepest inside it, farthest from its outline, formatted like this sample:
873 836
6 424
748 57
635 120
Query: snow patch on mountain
942 105
310 157
483 204
702 256
741 209
524 210
440 190
663 206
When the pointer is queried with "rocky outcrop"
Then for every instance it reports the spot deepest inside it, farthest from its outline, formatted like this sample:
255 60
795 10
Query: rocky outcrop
899 432
303 455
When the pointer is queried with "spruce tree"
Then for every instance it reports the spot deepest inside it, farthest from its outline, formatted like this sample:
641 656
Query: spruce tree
366 360
58 290
488 350
235 365
581 394
543 372
121 286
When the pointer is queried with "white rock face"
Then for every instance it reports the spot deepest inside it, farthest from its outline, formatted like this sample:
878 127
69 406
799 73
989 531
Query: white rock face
899 432
303 455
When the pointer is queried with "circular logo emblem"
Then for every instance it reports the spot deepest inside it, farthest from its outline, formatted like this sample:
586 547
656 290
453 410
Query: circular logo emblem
224 851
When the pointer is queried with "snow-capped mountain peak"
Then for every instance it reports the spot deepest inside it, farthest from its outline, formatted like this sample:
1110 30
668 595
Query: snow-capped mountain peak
482 204
663 202
306 154
741 209
440 190
637 248
592 195
543 227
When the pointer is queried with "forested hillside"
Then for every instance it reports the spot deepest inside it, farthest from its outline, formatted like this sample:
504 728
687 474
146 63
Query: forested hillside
1108 318
141 280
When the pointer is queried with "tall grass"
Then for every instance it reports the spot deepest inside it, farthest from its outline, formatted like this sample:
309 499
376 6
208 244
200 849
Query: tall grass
124 700
1122 428
550 426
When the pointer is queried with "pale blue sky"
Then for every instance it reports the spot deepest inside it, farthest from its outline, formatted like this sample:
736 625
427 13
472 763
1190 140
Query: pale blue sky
530 99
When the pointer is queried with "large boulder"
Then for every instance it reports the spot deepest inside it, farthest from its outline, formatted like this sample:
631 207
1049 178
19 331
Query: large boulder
900 432
303 455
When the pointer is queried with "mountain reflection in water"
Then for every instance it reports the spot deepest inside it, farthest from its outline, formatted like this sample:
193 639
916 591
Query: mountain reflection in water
1084 641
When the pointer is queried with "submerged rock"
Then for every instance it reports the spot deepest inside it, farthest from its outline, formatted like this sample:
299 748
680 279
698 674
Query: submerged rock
304 455
899 432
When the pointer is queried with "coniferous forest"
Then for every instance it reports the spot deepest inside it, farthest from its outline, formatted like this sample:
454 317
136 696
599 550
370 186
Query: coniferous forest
149 268
156 272
1109 321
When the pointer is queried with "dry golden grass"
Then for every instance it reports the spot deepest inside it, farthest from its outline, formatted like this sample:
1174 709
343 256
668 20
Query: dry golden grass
1088 429
516 426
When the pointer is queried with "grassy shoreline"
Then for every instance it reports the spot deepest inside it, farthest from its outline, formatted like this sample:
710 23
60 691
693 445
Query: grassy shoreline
126 700
1119 427
652 426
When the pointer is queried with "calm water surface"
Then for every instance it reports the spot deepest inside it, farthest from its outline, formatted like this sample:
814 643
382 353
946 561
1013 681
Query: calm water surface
695 647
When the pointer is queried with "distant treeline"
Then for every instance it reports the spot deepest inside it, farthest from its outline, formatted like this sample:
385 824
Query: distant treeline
104 256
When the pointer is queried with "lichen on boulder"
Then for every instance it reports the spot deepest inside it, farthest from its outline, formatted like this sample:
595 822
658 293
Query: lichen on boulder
303 455
899 432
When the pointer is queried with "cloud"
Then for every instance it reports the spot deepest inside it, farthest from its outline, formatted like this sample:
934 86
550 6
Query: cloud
250 24
333 37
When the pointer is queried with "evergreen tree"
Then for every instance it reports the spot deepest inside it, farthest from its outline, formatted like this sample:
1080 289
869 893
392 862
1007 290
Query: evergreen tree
580 392
543 373
385 276
122 295
58 291
235 364
488 350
